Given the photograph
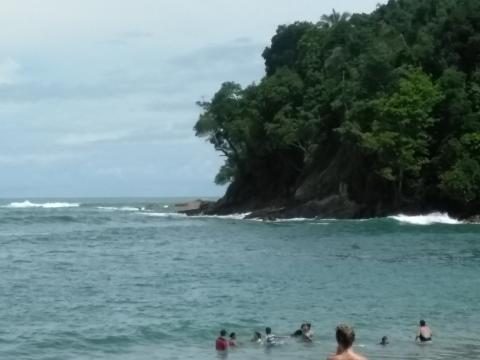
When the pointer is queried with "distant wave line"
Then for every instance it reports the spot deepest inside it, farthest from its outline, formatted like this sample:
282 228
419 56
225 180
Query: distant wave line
48 205
121 208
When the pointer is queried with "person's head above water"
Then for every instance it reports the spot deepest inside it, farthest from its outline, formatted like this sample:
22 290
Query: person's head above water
223 332
268 331
257 335
232 335
422 323
384 340
345 336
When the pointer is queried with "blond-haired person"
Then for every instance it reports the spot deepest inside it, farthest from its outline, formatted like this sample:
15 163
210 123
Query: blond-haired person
345 338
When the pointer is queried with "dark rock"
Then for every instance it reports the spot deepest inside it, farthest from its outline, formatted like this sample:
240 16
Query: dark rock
334 207
473 219
195 207
267 214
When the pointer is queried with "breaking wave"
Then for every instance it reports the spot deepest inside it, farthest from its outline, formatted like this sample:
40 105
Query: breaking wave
175 214
163 215
428 219
121 208
48 205
241 216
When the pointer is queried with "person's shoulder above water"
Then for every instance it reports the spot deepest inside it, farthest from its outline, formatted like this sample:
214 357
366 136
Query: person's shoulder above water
345 337
347 355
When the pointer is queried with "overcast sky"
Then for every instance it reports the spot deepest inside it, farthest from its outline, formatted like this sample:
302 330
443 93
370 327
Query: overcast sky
97 98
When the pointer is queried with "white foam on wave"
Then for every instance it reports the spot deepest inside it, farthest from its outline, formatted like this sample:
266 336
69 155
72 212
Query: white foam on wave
174 214
165 215
122 208
48 205
428 219
294 220
240 216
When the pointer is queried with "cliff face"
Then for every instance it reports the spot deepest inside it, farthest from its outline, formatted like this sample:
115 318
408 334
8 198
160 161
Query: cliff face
342 190
315 202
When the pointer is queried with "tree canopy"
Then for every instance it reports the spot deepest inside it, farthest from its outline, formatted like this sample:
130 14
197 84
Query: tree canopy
387 104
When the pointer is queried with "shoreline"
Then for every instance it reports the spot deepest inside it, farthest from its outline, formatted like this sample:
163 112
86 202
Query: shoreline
285 213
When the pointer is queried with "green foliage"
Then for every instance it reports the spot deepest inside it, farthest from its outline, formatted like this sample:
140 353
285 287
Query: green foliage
225 175
283 51
399 88
399 134
462 181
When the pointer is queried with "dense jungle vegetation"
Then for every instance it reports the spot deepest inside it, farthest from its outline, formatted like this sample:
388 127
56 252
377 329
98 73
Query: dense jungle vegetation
382 107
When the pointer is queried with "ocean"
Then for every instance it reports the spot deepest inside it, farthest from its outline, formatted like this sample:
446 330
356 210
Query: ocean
130 279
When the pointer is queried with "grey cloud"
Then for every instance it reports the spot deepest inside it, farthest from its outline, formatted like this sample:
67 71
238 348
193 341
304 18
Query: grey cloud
9 71
136 34
36 158
171 106
239 50
93 137
206 65
35 91
127 37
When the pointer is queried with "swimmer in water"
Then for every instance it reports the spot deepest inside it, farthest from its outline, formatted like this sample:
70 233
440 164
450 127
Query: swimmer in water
424 333
233 340
345 338
384 341
270 339
221 344
307 332
298 332
257 337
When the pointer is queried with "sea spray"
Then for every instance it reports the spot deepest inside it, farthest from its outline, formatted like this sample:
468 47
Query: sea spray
428 219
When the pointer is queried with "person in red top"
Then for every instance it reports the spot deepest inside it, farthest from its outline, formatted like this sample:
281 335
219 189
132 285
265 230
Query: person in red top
222 344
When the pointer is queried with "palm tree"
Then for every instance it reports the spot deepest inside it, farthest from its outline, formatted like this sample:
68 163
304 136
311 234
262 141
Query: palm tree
333 19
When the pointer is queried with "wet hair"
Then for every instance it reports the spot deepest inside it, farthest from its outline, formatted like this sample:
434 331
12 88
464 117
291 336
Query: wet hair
268 330
422 323
297 333
345 336
258 335
232 335
384 340
223 332
309 325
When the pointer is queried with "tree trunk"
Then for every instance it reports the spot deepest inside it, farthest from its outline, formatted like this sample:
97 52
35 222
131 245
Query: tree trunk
399 189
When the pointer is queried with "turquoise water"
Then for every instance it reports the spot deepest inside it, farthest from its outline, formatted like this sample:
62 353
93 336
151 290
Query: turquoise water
107 280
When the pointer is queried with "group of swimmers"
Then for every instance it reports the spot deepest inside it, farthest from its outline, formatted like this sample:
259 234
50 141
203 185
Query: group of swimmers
424 334
305 333
344 335
222 343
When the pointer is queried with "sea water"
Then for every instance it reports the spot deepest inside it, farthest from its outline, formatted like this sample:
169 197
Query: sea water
130 279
